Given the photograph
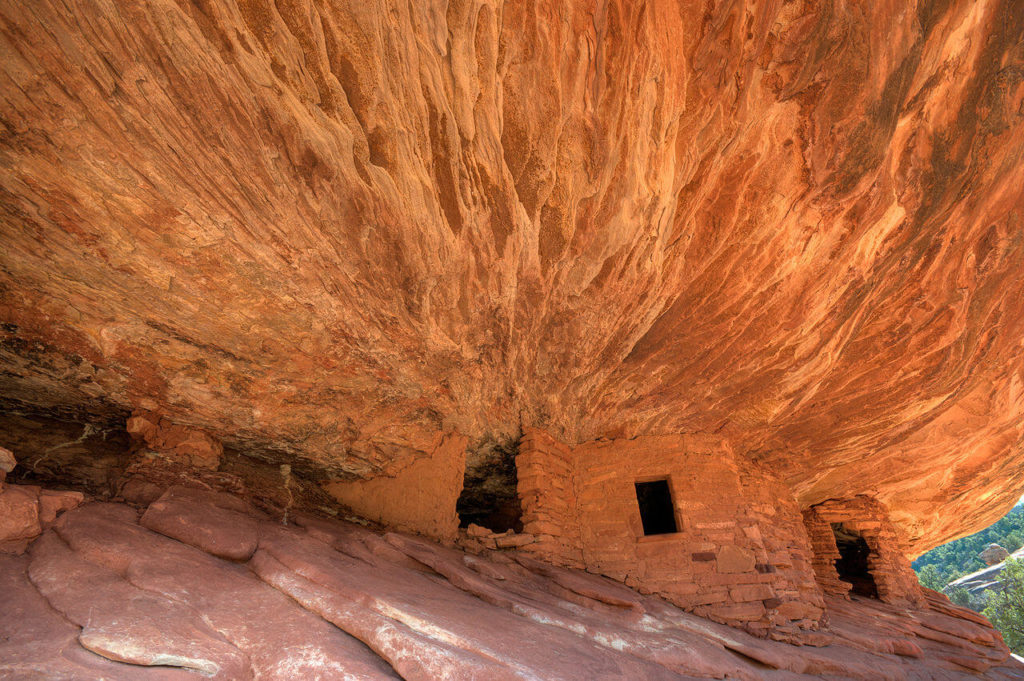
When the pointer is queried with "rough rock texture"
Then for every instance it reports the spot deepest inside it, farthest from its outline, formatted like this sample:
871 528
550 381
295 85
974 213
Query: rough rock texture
335 229
190 446
61 447
99 596
26 510
994 554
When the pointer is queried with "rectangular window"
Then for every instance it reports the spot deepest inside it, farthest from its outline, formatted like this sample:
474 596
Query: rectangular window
657 512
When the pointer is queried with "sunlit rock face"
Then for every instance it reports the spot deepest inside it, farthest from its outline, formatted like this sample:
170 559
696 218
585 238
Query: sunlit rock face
334 229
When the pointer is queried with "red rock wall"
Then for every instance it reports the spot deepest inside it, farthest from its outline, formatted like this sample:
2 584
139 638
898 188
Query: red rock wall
420 498
331 229
894 578
547 494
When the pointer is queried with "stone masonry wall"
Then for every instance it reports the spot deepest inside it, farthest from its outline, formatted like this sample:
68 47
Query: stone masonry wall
731 560
740 554
547 494
772 514
887 562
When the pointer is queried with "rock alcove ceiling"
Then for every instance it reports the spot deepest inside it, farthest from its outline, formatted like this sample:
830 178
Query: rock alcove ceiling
326 231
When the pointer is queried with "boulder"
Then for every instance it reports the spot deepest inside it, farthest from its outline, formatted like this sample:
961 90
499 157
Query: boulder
994 554
182 443
19 517
7 463
52 503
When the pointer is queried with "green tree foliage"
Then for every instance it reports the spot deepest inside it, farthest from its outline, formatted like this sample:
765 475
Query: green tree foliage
960 596
960 557
929 577
965 599
1006 606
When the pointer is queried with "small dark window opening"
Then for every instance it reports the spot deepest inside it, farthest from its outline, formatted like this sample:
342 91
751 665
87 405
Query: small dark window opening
656 510
852 564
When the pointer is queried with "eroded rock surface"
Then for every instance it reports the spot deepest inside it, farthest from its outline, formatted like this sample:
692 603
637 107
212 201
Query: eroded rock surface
993 554
100 595
26 510
334 230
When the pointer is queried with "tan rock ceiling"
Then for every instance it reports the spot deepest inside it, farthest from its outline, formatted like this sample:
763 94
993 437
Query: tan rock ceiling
332 228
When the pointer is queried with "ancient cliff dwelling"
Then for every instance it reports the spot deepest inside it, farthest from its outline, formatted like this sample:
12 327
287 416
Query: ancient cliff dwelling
469 339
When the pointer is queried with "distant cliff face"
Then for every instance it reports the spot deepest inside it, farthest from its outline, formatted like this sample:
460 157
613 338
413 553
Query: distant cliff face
333 230
986 579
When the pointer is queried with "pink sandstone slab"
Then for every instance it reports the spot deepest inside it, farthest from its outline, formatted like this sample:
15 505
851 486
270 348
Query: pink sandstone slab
281 640
124 623
205 520
37 642
326 600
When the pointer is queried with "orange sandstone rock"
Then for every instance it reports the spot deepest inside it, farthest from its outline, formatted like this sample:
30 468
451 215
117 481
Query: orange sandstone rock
331 231
189 445
19 517
419 498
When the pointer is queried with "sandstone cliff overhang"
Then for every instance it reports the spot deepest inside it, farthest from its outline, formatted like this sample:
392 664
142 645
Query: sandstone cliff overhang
330 234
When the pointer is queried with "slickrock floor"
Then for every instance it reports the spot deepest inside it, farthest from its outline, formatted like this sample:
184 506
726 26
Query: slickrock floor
200 585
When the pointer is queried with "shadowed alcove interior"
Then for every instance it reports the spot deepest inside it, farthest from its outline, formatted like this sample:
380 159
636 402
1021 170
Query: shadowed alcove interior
489 495
853 564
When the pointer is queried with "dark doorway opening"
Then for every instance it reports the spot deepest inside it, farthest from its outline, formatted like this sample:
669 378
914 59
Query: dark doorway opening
852 565
490 495
657 513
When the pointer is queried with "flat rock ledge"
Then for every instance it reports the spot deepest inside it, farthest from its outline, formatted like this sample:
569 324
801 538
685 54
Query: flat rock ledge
201 586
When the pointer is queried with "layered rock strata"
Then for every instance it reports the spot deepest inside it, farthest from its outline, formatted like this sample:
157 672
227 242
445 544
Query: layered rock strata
105 593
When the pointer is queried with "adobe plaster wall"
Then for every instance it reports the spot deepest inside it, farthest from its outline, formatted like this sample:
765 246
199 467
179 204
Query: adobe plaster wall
420 498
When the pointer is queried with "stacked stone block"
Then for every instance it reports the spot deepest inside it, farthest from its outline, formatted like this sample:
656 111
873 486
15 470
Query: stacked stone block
772 514
547 495
730 560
